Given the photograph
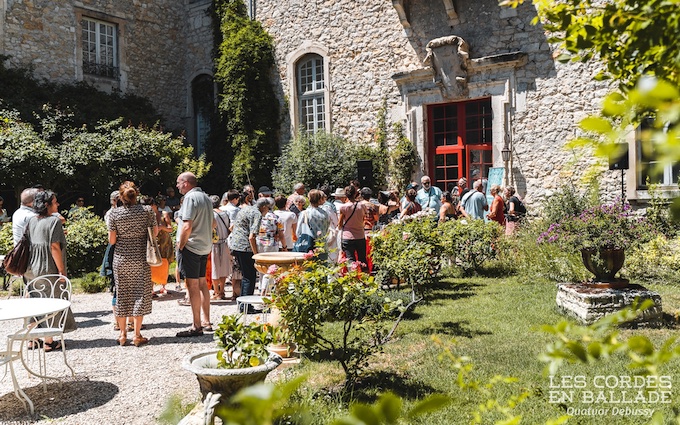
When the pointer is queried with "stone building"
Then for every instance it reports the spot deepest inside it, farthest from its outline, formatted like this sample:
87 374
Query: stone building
159 49
471 81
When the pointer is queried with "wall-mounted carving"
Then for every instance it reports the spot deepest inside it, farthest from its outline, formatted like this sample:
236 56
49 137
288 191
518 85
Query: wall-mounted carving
450 10
402 8
449 59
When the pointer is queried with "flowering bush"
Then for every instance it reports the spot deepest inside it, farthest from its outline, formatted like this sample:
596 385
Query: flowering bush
327 308
610 226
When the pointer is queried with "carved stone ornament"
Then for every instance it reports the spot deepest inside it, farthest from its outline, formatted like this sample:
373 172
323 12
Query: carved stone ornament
449 59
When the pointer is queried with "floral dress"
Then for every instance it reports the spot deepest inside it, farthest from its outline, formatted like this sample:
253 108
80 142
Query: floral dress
131 272
266 238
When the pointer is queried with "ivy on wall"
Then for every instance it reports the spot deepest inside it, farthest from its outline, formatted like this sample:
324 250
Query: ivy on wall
249 109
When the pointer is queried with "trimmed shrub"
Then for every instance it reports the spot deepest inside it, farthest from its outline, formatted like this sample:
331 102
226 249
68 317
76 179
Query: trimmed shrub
86 240
6 240
656 261
469 243
93 283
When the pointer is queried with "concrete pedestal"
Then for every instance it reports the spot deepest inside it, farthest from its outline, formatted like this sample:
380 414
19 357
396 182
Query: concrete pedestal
588 302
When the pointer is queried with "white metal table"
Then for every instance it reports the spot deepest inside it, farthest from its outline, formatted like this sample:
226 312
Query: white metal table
41 309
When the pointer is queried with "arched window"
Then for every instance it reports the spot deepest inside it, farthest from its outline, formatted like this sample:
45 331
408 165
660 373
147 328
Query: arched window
202 93
311 92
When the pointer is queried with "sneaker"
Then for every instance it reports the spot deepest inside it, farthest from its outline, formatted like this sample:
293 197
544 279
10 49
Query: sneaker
184 302
189 333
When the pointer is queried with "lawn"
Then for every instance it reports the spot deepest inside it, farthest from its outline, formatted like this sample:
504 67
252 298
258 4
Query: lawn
494 322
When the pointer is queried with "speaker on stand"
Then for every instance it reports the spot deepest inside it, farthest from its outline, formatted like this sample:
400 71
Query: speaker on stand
365 172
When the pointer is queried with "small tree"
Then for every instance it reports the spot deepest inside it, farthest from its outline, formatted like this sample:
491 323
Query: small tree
331 310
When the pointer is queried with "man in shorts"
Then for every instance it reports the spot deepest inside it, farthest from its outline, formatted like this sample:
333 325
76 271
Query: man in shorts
194 242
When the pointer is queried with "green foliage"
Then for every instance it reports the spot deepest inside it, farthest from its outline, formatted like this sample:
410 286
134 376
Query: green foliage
93 283
612 226
632 38
86 240
534 261
565 202
409 251
403 158
599 341
6 238
314 296
91 161
470 243
82 103
320 159
388 410
249 108
655 261
658 213
175 410
241 345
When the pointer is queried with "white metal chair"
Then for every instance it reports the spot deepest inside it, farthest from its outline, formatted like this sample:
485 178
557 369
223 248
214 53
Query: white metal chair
6 358
47 286
257 300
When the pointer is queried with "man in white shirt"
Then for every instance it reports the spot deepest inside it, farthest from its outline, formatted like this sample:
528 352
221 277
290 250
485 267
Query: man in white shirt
21 216
429 196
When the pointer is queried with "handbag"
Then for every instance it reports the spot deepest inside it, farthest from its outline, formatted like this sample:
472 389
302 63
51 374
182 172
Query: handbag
16 261
305 242
153 253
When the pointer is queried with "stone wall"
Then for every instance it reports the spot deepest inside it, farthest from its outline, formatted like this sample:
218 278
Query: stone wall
367 45
161 43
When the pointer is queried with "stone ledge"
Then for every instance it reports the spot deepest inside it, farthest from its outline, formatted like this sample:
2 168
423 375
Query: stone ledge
587 304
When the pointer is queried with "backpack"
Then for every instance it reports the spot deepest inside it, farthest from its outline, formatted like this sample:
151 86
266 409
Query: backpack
520 209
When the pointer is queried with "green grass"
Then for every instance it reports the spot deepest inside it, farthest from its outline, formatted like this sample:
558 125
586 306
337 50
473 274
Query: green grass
496 323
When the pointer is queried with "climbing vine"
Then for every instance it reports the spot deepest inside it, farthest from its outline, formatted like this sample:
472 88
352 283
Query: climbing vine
403 158
249 109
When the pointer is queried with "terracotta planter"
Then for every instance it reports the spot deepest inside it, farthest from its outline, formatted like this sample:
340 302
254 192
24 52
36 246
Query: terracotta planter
283 350
604 264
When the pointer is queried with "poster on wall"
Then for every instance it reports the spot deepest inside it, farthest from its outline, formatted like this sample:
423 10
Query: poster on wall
495 177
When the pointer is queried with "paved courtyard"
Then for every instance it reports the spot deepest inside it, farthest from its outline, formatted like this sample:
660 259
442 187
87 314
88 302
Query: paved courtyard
113 384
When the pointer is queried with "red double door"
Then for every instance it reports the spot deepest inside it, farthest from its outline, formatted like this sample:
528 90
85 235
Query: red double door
459 137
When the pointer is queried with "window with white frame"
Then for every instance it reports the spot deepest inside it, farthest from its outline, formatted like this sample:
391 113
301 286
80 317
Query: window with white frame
311 91
100 45
651 167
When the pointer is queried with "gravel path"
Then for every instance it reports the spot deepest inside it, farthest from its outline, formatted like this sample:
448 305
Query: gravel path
113 385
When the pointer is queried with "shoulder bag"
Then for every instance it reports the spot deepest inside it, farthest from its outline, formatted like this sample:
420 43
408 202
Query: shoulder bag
16 261
305 242
153 252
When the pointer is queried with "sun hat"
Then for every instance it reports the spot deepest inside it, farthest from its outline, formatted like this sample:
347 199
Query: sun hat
339 193
264 190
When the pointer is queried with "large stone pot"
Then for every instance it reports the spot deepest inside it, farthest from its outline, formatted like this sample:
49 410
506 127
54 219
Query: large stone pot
281 259
604 263
218 385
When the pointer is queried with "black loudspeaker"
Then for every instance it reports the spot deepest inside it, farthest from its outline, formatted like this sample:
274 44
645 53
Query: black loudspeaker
618 159
365 172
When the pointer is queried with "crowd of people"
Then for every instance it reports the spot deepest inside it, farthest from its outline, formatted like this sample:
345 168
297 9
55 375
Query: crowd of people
217 236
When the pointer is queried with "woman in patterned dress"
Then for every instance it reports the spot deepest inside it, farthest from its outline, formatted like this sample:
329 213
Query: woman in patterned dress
128 231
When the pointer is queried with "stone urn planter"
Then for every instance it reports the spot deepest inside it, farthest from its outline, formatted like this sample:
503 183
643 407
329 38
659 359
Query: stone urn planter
218 385
283 260
604 264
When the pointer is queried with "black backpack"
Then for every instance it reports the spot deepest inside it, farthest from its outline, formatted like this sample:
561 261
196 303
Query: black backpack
520 209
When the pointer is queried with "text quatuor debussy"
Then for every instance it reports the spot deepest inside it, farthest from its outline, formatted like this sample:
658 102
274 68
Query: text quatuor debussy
605 390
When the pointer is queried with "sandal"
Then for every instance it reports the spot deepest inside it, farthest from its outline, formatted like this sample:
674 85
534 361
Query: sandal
190 332
53 346
36 344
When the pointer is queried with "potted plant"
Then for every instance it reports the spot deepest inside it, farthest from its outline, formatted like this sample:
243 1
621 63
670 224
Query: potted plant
240 360
601 234
282 340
